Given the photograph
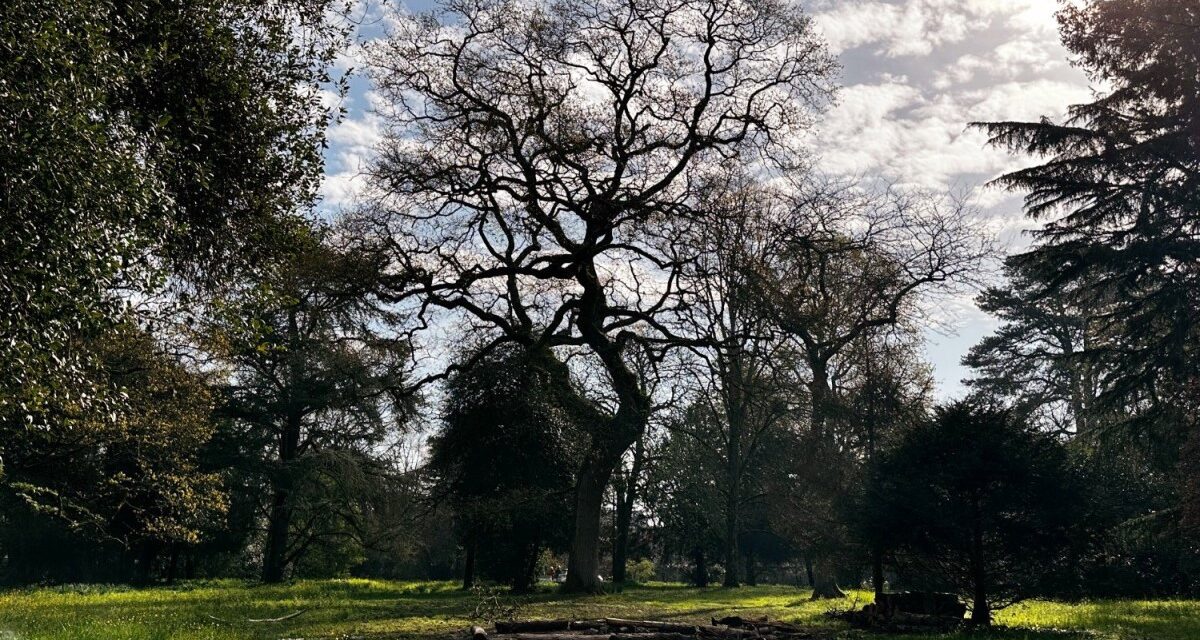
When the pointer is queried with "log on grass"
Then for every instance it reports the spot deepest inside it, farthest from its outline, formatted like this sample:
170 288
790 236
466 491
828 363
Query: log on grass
674 627
544 626
532 626
662 635
477 633
528 635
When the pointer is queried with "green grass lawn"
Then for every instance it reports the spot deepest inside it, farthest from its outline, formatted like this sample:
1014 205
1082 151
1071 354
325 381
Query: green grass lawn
375 609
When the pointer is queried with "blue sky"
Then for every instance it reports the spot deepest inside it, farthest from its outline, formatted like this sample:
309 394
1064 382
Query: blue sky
915 72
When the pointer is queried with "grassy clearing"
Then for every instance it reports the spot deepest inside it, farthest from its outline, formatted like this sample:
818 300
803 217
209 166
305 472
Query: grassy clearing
374 610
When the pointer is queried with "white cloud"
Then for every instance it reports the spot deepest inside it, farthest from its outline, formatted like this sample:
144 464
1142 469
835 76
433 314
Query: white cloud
912 27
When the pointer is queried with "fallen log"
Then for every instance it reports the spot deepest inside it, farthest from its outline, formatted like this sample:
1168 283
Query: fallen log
543 626
651 624
541 636
532 626
584 634
477 633
660 635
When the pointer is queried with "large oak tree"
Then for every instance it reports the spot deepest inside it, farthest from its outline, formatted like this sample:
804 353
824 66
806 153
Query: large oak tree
538 153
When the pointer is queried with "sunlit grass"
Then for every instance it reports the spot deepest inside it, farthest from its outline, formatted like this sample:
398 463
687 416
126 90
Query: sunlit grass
376 609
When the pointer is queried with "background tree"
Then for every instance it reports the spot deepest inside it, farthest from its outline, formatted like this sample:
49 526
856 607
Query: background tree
684 496
886 390
1034 362
110 492
740 368
852 263
1118 196
315 380
628 482
537 150
505 456
975 501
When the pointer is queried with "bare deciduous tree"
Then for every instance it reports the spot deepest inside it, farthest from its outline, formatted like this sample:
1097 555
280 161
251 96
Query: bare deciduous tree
741 371
855 262
537 151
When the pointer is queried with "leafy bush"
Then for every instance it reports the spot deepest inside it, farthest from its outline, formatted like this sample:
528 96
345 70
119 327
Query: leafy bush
640 571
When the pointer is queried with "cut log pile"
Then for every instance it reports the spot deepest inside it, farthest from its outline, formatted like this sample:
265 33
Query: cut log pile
728 628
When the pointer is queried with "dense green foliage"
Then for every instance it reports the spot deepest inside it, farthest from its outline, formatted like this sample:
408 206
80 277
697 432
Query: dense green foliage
975 502
141 140
1101 315
149 150
1118 197
100 495
504 459
315 384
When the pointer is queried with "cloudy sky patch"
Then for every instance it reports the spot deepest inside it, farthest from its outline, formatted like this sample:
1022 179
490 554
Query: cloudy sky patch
915 73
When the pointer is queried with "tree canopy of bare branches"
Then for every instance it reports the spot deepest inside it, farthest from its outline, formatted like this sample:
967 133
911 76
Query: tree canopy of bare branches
539 155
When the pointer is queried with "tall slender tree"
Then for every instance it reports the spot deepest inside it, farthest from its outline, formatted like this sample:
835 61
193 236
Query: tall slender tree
741 368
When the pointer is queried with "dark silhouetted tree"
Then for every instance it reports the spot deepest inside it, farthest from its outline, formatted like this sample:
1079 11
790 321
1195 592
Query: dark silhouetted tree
975 501
505 457
540 153
315 380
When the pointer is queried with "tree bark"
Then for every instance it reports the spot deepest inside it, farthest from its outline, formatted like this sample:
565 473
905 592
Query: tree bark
877 572
583 562
469 565
825 586
824 574
751 569
280 520
277 529
731 538
700 573
981 613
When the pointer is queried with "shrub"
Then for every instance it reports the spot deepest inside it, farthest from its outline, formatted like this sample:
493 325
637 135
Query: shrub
639 572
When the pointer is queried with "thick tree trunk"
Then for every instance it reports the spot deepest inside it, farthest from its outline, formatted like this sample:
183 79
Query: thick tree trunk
146 560
609 441
528 577
823 406
731 541
583 563
700 570
877 572
173 563
280 520
981 611
469 564
277 530
825 586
